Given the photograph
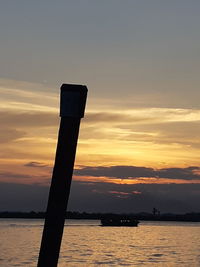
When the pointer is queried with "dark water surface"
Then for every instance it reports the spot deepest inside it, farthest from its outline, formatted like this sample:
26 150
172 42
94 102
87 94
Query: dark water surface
85 243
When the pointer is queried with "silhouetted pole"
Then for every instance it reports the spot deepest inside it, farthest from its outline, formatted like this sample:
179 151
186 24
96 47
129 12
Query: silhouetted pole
72 106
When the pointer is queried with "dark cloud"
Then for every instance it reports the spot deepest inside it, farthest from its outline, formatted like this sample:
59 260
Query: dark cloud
105 197
131 172
109 197
116 171
20 197
24 178
189 173
35 164
10 175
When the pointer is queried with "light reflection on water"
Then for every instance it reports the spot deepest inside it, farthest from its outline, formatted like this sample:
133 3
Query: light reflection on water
85 243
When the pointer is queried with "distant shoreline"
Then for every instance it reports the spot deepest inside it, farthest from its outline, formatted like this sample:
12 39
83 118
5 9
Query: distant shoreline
187 217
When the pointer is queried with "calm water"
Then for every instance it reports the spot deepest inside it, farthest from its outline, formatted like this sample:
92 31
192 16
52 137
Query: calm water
85 243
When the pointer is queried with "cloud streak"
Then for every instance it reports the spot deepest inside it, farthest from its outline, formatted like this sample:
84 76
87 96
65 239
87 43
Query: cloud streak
8 135
28 119
35 164
132 172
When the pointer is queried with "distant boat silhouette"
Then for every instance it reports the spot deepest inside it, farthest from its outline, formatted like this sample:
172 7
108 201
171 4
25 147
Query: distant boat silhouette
119 221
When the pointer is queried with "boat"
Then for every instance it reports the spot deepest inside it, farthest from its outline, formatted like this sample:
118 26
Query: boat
119 221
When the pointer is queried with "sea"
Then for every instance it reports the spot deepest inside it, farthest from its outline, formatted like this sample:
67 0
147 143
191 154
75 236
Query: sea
86 243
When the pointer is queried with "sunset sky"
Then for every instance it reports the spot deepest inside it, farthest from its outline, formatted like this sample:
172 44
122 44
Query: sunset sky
139 141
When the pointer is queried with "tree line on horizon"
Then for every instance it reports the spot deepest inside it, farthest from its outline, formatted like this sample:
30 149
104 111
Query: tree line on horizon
189 217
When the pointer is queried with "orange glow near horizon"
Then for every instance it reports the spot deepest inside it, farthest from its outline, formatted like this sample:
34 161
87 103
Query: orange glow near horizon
142 180
109 136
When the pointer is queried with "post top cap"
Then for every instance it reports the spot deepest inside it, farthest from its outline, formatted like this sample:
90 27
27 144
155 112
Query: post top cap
74 87
73 100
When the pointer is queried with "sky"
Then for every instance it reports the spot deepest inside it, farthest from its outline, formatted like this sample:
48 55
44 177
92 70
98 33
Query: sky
139 144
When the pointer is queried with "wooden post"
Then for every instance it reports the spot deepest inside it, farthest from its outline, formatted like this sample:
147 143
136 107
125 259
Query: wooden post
72 107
